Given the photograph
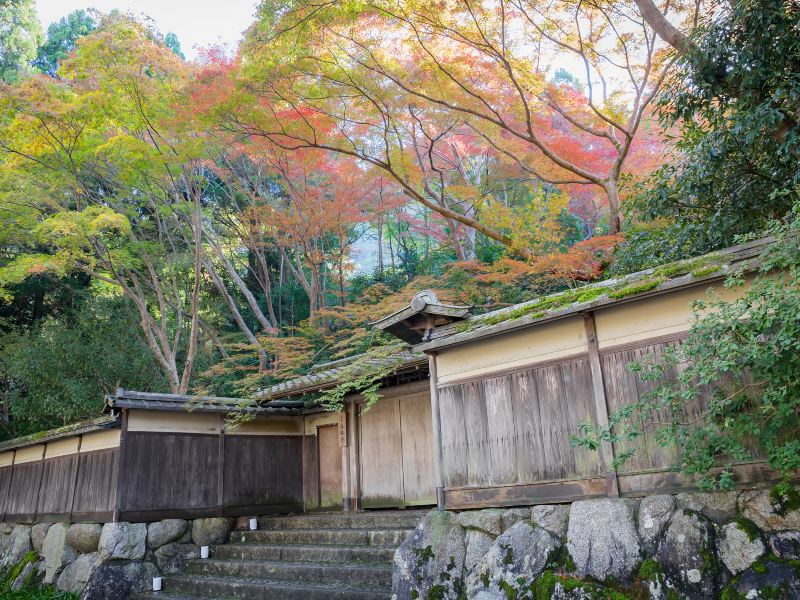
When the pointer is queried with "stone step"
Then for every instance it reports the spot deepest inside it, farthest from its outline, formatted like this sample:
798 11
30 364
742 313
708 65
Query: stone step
363 537
162 595
204 586
377 520
316 553
305 572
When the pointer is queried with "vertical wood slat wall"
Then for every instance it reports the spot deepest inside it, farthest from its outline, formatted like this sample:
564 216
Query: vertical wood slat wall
179 475
506 438
82 485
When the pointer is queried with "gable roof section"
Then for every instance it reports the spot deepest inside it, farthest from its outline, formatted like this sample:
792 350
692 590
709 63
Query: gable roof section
328 375
73 429
414 322
630 288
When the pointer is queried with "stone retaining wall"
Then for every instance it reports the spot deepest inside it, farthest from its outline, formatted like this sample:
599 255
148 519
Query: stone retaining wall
696 546
104 560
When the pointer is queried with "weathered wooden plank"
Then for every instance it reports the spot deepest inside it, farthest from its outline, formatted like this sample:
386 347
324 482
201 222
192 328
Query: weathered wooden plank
479 467
579 407
5 487
55 493
501 443
417 446
310 472
454 446
522 494
96 484
670 482
262 470
527 427
381 454
559 460
24 489
164 471
330 466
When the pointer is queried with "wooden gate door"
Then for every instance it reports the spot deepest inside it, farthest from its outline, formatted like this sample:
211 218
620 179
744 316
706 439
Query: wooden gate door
330 467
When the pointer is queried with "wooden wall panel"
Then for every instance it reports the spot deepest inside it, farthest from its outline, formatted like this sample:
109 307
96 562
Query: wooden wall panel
169 471
263 470
310 473
24 489
96 485
517 427
58 479
330 467
454 438
5 486
417 438
381 454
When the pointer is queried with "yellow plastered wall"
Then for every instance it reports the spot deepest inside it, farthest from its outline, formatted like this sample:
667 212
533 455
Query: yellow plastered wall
667 314
29 454
529 346
6 459
177 422
63 447
278 425
100 440
319 420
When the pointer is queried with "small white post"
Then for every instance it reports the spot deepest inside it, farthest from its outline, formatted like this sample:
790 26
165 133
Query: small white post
156 584
203 551
253 523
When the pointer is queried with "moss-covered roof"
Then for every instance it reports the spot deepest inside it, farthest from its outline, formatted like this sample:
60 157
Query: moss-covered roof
594 296
73 429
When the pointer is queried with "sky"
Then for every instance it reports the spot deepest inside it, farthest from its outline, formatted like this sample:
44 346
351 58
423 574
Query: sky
198 23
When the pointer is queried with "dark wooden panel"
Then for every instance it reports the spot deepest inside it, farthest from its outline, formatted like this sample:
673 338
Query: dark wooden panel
310 472
96 485
330 466
523 494
501 441
58 477
164 471
5 484
24 489
263 470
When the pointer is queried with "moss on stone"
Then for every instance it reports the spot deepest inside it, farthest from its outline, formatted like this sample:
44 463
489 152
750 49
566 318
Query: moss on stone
751 529
15 570
784 498
650 570
436 592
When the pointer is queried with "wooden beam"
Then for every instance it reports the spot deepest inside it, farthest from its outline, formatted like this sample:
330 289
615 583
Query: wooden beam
600 404
525 494
75 478
344 445
221 467
436 423
8 487
355 470
123 434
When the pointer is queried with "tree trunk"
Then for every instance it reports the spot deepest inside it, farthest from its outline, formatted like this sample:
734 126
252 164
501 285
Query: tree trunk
614 206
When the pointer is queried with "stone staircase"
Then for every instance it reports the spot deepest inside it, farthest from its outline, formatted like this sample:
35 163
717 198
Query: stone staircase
323 556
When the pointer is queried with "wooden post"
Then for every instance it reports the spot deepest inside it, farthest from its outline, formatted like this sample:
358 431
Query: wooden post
39 485
123 434
342 430
437 432
353 457
75 478
221 467
600 404
8 487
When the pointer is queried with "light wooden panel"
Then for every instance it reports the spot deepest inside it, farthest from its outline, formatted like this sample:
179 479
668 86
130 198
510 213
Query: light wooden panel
518 427
454 438
415 429
330 466
310 472
381 454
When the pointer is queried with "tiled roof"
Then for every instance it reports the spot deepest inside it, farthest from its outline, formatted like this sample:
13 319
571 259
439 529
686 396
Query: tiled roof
594 296
73 429
213 404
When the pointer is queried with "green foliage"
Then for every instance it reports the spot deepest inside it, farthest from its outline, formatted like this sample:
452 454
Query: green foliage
61 38
172 42
62 367
734 98
20 36
742 360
